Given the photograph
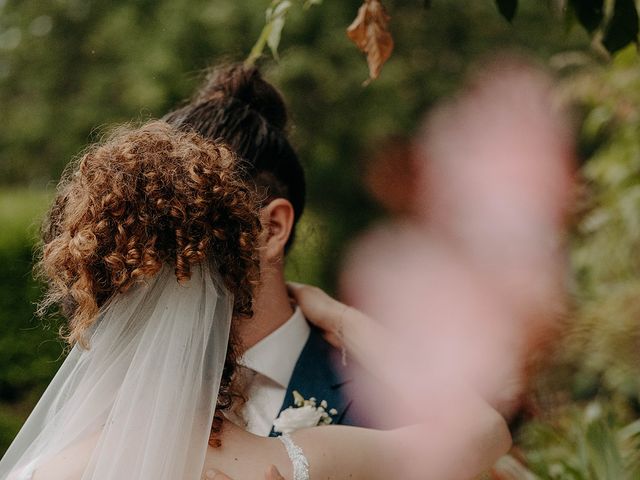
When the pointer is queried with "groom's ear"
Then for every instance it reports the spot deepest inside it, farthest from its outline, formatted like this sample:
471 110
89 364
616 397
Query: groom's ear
277 219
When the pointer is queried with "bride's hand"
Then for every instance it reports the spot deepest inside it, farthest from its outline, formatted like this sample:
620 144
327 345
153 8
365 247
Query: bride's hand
320 310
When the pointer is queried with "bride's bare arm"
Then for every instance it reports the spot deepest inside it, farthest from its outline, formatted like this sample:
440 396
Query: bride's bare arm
434 449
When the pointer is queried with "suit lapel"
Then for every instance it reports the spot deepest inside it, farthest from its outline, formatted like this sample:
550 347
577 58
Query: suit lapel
318 373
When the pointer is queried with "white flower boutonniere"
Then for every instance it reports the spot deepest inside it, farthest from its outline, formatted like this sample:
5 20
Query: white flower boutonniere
303 414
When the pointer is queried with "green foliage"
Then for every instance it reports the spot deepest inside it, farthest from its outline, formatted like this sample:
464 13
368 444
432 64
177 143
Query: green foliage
29 350
272 31
584 443
20 210
97 63
594 433
607 238
615 30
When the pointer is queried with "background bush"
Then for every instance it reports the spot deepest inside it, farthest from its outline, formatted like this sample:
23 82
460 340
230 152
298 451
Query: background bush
29 353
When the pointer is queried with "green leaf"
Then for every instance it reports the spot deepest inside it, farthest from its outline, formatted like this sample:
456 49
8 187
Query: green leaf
604 455
271 32
275 18
622 29
310 3
507 8
629 431
589 13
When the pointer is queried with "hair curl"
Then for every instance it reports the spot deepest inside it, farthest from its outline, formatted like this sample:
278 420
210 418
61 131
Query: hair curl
145 197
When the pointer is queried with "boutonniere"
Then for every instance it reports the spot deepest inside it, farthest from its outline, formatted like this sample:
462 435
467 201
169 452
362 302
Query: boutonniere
303 414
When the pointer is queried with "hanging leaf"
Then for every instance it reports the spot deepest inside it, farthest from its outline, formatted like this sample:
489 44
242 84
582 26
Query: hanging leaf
276 16
310 3
589 13
507 8
622 29
271 32
369 31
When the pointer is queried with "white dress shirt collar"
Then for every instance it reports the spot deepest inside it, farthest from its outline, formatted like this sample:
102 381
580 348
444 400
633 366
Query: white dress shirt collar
276 355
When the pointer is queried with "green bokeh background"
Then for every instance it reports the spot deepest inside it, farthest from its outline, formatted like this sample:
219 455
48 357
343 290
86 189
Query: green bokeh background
70 68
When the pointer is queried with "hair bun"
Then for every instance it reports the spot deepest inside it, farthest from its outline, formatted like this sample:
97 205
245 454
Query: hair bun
246 85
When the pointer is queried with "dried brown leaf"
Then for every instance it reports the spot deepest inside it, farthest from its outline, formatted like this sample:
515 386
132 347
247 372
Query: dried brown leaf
369 31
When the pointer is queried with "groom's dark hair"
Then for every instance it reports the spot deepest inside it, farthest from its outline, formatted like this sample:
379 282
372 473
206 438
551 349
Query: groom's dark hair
237 106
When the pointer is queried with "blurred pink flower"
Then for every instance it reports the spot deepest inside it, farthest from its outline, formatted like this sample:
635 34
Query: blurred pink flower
469 287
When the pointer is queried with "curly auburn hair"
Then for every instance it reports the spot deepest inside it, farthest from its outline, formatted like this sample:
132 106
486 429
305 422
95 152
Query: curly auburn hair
145 197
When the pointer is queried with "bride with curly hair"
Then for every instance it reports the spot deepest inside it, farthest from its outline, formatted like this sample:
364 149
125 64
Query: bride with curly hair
150 250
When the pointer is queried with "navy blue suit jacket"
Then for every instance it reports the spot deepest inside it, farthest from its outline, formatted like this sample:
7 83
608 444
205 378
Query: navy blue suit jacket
319 373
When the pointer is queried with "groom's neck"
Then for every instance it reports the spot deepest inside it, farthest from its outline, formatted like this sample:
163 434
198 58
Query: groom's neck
272 308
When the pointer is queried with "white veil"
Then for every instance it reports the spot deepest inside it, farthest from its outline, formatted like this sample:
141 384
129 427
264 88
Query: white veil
139 403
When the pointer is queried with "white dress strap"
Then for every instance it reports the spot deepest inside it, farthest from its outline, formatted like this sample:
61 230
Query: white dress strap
296 455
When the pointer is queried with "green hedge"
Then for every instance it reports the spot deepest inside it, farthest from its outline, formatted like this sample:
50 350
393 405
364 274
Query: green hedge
30 352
